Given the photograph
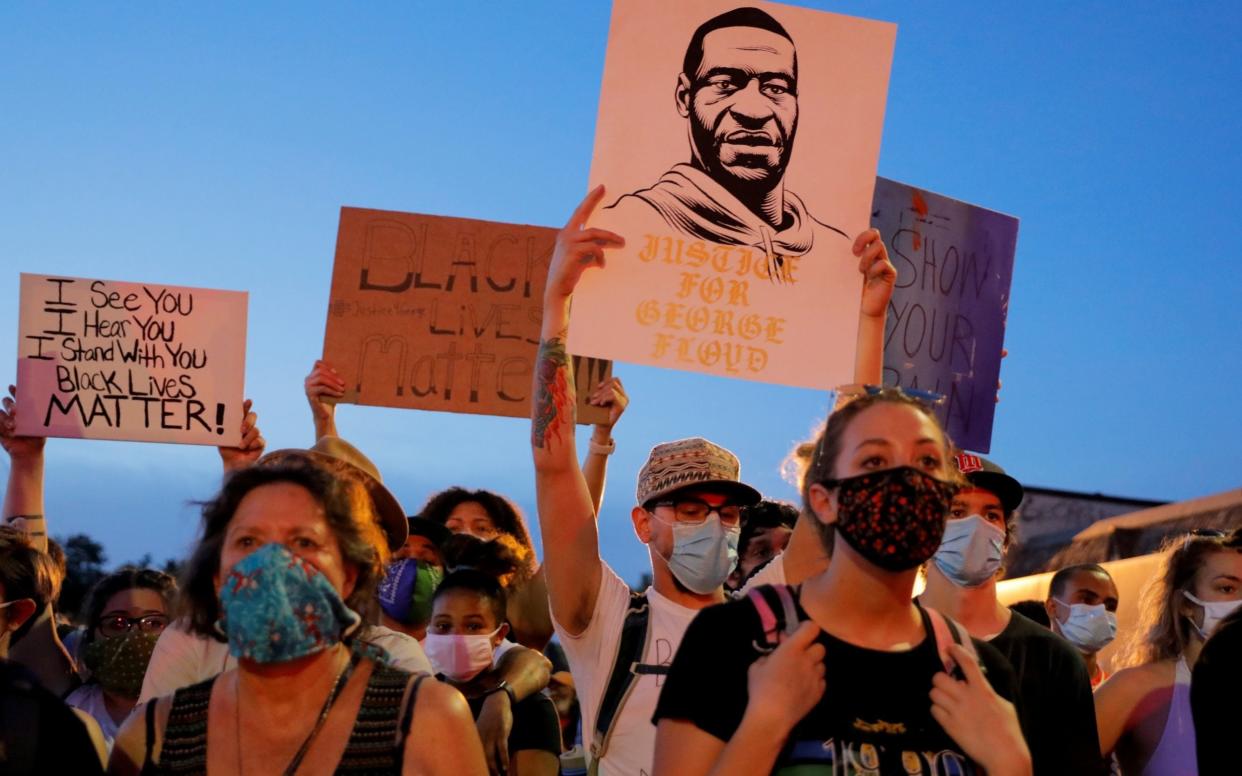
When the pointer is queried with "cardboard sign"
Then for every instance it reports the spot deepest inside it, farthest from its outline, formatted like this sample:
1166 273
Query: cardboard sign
438 313
946 321
738 259
103 359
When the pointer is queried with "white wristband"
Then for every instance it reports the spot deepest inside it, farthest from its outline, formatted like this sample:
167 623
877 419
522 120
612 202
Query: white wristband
598 449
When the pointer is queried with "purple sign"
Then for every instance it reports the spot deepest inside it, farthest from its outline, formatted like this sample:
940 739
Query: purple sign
946 322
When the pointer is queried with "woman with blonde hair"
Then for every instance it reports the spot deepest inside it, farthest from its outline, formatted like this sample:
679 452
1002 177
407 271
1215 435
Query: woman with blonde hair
1143 711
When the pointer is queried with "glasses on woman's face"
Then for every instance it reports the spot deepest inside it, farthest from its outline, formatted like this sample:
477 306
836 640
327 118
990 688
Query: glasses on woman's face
695 511
118 625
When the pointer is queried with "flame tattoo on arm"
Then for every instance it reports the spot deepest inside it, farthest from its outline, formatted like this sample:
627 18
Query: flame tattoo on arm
554 395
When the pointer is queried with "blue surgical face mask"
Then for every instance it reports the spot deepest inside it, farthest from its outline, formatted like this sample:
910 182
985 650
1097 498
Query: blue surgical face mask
704 554
1089 627
971 551
277 607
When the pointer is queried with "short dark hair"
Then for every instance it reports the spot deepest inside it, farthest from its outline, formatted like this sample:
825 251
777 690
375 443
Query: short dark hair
1032 610
738 17
767 513
347 508
502 511
1056 586
24 571
125 578
481 584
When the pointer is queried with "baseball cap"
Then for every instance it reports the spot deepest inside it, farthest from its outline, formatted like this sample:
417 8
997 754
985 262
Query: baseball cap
433 531
693 462
986 475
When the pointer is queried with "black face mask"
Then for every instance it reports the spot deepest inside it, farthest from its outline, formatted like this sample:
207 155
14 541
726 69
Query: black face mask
894 518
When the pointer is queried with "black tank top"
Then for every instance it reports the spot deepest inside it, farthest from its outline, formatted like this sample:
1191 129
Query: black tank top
376 744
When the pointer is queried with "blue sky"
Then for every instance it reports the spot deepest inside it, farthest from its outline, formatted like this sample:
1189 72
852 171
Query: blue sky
213 146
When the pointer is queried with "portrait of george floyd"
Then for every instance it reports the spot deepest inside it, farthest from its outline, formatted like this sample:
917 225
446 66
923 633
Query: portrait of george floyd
738 91
738 257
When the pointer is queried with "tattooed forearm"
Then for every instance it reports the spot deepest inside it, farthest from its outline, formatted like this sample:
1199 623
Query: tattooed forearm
553 403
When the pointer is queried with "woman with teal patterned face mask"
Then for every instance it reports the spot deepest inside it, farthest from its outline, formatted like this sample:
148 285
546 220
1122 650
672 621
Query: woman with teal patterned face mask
125 614
286 570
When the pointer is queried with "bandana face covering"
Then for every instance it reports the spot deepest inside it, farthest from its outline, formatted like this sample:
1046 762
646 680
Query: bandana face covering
277 607
407 588
894 518
118 663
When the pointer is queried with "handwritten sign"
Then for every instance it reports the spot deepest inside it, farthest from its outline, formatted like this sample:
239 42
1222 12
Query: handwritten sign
438 313
103 359
946 321
738 255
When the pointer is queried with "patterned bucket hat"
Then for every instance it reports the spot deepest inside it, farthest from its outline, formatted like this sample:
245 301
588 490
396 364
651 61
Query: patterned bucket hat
693 462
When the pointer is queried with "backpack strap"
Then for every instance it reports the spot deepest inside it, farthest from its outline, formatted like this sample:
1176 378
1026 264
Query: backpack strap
947 631
778 615
627 665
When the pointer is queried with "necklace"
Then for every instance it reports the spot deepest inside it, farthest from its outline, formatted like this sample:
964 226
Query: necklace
341 680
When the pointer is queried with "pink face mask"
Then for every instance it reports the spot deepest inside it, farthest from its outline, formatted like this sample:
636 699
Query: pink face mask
459 658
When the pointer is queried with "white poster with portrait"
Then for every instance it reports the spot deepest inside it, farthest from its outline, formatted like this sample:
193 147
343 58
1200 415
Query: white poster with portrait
738 146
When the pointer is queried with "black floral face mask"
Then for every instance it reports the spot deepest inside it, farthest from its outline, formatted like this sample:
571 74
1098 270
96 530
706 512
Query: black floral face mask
894 518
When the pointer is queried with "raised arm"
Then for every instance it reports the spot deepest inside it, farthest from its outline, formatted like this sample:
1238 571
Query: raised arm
250 449
527 612
879 279
323 387
610 394
566 513
23 495
804 555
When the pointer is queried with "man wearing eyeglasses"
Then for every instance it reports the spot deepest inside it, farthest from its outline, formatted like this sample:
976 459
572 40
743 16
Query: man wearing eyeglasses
688 513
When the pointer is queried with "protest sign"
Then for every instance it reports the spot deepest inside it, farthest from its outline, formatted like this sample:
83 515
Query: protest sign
104 359
738 254
946 321
439 313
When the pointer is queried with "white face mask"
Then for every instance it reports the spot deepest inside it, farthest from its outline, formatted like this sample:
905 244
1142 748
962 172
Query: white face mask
1213 613
459 658
1089 627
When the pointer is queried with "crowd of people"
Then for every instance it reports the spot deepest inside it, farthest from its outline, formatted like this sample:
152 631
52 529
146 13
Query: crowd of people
317 627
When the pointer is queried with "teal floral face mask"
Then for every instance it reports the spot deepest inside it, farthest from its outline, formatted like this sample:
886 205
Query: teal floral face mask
277 607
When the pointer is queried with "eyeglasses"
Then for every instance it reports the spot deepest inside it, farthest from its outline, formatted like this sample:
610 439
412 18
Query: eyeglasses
694 511
119 625
856 390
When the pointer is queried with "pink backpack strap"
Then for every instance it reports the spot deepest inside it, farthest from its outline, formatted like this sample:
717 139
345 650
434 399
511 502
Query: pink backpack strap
946 632
778 614
767 616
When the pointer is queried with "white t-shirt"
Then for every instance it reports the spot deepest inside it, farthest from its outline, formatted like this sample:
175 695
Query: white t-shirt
182 658
771 574
90 698
591 657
